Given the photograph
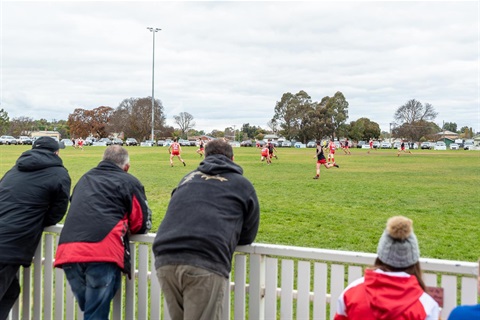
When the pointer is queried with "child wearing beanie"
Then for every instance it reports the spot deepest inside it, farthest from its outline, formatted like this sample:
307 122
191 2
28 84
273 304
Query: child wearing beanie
393 288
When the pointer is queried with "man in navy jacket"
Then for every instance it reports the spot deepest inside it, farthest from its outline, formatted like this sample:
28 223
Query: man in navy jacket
33 194
212 210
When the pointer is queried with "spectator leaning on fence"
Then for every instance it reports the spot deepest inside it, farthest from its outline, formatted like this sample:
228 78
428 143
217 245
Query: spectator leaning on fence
33 194
212 210
107 204
394 288
467 312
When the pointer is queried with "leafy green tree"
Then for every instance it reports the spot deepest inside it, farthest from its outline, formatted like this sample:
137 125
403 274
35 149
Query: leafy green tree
292 114
363 129
450 126
4 121
337 111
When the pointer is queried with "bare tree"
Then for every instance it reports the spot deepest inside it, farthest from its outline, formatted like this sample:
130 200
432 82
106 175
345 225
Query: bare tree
414 111
185 121
415 120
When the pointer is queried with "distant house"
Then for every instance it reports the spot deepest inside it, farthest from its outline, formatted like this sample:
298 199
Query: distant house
446 134
274 137
53 134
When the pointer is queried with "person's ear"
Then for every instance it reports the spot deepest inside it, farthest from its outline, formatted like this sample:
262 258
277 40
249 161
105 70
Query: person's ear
126 167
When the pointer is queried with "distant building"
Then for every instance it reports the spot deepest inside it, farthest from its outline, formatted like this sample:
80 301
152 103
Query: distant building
446 134
53 134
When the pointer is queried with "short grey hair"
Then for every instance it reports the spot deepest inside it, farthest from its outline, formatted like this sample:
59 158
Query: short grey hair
116 154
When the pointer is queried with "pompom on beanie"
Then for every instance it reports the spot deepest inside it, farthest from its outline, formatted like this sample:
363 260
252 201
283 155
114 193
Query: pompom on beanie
398 246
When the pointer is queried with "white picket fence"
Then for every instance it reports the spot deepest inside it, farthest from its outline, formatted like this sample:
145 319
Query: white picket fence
268 282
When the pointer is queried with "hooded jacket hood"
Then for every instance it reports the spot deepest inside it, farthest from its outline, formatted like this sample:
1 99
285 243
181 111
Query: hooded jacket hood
389 296
217 164
38 159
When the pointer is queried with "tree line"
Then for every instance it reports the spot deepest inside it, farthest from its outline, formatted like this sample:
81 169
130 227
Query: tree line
296 117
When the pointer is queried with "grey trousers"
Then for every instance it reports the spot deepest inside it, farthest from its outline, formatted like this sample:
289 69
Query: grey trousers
192 293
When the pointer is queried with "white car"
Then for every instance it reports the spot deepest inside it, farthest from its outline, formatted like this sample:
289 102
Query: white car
454 146
385 145
440 145
8 140
67 142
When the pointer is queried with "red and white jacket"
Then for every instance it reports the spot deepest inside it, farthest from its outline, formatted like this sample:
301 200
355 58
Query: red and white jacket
386 296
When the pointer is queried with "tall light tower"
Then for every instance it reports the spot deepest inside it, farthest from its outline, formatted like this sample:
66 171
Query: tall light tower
153 30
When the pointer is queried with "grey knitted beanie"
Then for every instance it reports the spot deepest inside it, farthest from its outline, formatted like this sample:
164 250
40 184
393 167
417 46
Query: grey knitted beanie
398 246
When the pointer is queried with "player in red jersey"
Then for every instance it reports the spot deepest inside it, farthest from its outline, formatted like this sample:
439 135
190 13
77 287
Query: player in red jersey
331 154
266 155
175 150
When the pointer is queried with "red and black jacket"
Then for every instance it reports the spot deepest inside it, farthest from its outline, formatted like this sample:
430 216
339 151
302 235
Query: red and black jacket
106 205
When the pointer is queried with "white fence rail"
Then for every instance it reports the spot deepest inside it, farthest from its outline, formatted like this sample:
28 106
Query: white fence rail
268 282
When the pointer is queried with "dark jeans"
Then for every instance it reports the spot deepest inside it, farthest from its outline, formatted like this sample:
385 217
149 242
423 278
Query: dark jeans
94 285
9 288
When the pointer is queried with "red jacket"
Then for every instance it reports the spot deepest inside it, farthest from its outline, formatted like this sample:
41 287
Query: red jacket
386 296
106 206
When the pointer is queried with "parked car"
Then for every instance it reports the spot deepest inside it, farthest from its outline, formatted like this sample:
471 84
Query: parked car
160 143
147 143
8 140
454 146
385 145
366 146
286 144
397 145
24 140
67 142
168 142
246 143
311 144
117 141
183 142
300 145
426 145
376 144
468 145
260 143
131 142
107 141
361 143
440 145
89 141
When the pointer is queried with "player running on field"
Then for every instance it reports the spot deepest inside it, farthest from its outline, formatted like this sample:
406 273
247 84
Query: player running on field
346 146
265 155
402 149
271 149
201 148
331 154
321 160
175 150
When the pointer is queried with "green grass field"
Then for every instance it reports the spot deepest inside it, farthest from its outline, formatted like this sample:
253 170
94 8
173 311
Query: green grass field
346 209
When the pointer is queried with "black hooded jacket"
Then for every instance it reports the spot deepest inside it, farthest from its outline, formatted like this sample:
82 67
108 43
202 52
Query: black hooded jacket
33 194
212 210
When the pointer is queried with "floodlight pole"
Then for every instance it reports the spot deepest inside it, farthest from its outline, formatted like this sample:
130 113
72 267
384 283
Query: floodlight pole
153 30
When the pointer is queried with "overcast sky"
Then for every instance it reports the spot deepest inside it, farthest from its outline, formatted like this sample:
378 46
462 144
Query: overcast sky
228 62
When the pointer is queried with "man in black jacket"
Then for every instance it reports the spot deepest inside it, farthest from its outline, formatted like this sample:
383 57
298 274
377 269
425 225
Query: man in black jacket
33 194
212 210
